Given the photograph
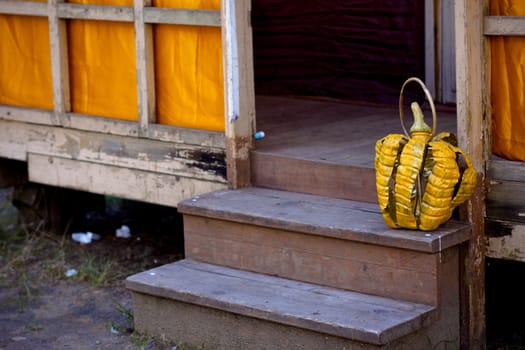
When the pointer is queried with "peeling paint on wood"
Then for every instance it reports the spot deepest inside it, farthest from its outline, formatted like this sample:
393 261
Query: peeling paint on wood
162 189
203 163
238 166
498 228
510 246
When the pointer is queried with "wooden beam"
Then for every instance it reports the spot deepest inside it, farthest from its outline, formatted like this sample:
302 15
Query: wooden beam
473 128
27 115
130 183
209 18
59 62
112 126
239 89
13 140
136 153
24 8
504 25
145 68
106 13
506 240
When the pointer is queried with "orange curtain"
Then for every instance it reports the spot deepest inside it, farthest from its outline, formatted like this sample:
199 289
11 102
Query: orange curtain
188 65
508 86
102 65
25 63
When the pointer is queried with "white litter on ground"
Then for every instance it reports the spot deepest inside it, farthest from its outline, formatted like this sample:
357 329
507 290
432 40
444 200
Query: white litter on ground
123 232
85 237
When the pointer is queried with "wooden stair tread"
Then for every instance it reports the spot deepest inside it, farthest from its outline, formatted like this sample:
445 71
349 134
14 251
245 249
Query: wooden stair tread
317 215
351 315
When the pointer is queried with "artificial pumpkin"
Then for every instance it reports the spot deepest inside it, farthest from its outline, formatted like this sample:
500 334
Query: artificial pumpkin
421 177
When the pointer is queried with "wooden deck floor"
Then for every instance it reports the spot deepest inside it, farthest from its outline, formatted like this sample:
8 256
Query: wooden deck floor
332 132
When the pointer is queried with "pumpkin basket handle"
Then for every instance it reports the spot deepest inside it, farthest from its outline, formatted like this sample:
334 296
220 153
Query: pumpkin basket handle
429 98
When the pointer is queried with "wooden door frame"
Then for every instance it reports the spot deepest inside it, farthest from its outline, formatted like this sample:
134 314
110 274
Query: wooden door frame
474 120
239 90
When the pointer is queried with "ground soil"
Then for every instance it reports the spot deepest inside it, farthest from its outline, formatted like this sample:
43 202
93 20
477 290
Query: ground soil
42 308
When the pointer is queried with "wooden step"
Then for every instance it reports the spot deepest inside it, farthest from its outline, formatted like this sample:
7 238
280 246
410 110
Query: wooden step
319 177
223 308
331 242
324 147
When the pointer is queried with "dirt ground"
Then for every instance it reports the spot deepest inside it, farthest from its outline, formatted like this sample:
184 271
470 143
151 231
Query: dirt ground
42 308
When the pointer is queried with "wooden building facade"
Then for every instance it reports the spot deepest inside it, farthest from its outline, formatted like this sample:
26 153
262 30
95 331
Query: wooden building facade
319 78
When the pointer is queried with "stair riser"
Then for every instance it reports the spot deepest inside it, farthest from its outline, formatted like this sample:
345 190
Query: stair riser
378 270
214 329
324 179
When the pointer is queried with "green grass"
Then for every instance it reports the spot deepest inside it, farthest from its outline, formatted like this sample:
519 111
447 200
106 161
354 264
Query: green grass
95 271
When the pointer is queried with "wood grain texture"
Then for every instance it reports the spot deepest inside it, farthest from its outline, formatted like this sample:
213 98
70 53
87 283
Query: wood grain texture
506 240
474 124
506 170
506 200
238 90
13 140
315 215
313 177
331 131
129 183
15 7
59 63
144 58
324 147
504 25
365 268
154 156
350 315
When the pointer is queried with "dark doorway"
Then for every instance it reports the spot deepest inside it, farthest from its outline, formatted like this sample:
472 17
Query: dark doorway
359 51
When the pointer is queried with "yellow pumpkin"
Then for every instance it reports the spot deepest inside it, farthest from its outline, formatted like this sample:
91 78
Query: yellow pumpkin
421 178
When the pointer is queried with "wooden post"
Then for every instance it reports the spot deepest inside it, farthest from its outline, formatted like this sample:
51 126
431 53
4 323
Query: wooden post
59 63
145 68
473 135
239 89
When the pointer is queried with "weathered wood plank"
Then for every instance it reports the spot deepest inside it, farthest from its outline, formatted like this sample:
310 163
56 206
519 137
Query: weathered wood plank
188 136
13 140
345 314
506 200
366 268
148 155
506 170
94 12
315 215
59 62
25 8
114 13
506 240
179 159
182 17
239 90
474 122
504 25
103 125
27 115
315 177
144 58
130 183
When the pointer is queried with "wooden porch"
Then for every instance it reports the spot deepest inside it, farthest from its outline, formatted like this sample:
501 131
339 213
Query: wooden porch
325 147
303 259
